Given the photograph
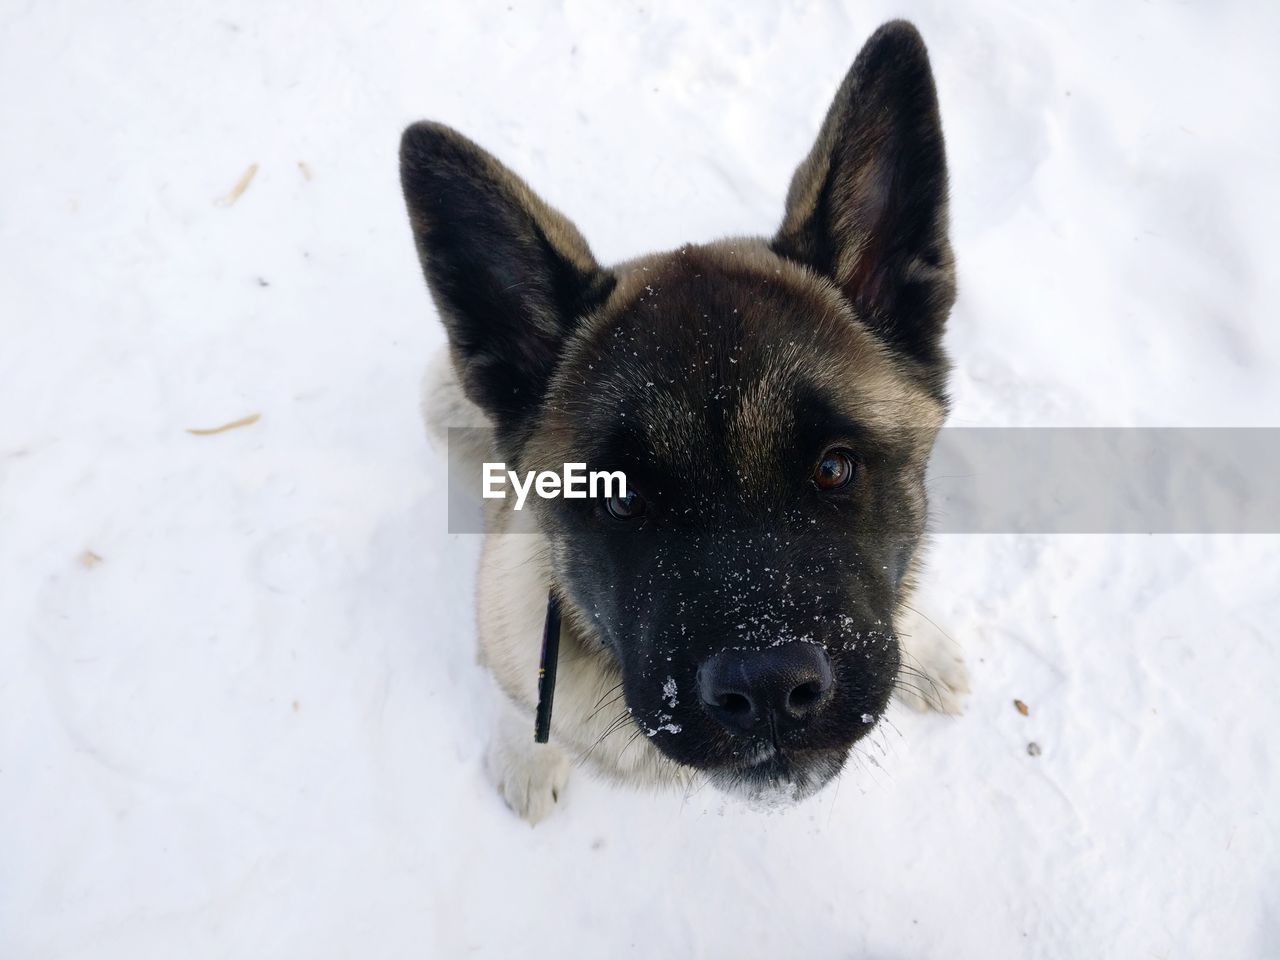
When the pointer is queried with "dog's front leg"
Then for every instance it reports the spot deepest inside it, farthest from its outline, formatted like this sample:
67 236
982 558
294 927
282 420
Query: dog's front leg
933 675
531 777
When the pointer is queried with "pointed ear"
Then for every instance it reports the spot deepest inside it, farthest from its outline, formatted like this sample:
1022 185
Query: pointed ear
868 207
510 276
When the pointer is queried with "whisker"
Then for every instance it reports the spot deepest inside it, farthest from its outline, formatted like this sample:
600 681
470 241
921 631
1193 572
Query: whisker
929 697
918 673
614 725
634 736
609 691
602 706
931 621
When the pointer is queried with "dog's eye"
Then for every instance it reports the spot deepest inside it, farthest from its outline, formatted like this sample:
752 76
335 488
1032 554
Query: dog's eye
836 469
625 507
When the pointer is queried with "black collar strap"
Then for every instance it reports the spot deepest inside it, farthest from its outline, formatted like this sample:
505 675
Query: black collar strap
547 670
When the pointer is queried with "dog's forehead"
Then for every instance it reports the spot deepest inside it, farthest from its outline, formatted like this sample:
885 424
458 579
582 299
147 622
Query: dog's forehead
703 357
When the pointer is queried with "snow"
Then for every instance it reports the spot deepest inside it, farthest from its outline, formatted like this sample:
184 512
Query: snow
239 711
670 692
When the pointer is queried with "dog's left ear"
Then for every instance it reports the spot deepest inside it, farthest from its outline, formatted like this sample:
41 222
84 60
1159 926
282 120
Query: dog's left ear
509 274
868 207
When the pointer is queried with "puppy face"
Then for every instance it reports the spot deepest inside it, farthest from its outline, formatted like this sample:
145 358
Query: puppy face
771 403
775 455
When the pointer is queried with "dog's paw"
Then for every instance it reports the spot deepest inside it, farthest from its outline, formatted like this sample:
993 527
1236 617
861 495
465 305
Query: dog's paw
530 777
940 686
933 674
531 784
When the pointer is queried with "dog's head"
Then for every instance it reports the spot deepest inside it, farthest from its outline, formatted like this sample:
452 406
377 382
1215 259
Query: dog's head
772 404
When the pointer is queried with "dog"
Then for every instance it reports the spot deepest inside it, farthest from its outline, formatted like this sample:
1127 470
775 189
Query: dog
741 613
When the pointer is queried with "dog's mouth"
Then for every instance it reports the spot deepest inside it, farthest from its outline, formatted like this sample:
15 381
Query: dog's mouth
772 777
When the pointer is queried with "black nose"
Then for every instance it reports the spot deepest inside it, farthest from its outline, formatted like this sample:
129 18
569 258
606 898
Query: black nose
741 689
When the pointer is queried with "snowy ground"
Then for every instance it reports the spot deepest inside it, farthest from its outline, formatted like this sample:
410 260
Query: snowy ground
238 711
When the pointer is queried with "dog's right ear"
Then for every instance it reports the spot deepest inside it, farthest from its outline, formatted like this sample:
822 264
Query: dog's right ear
509 274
